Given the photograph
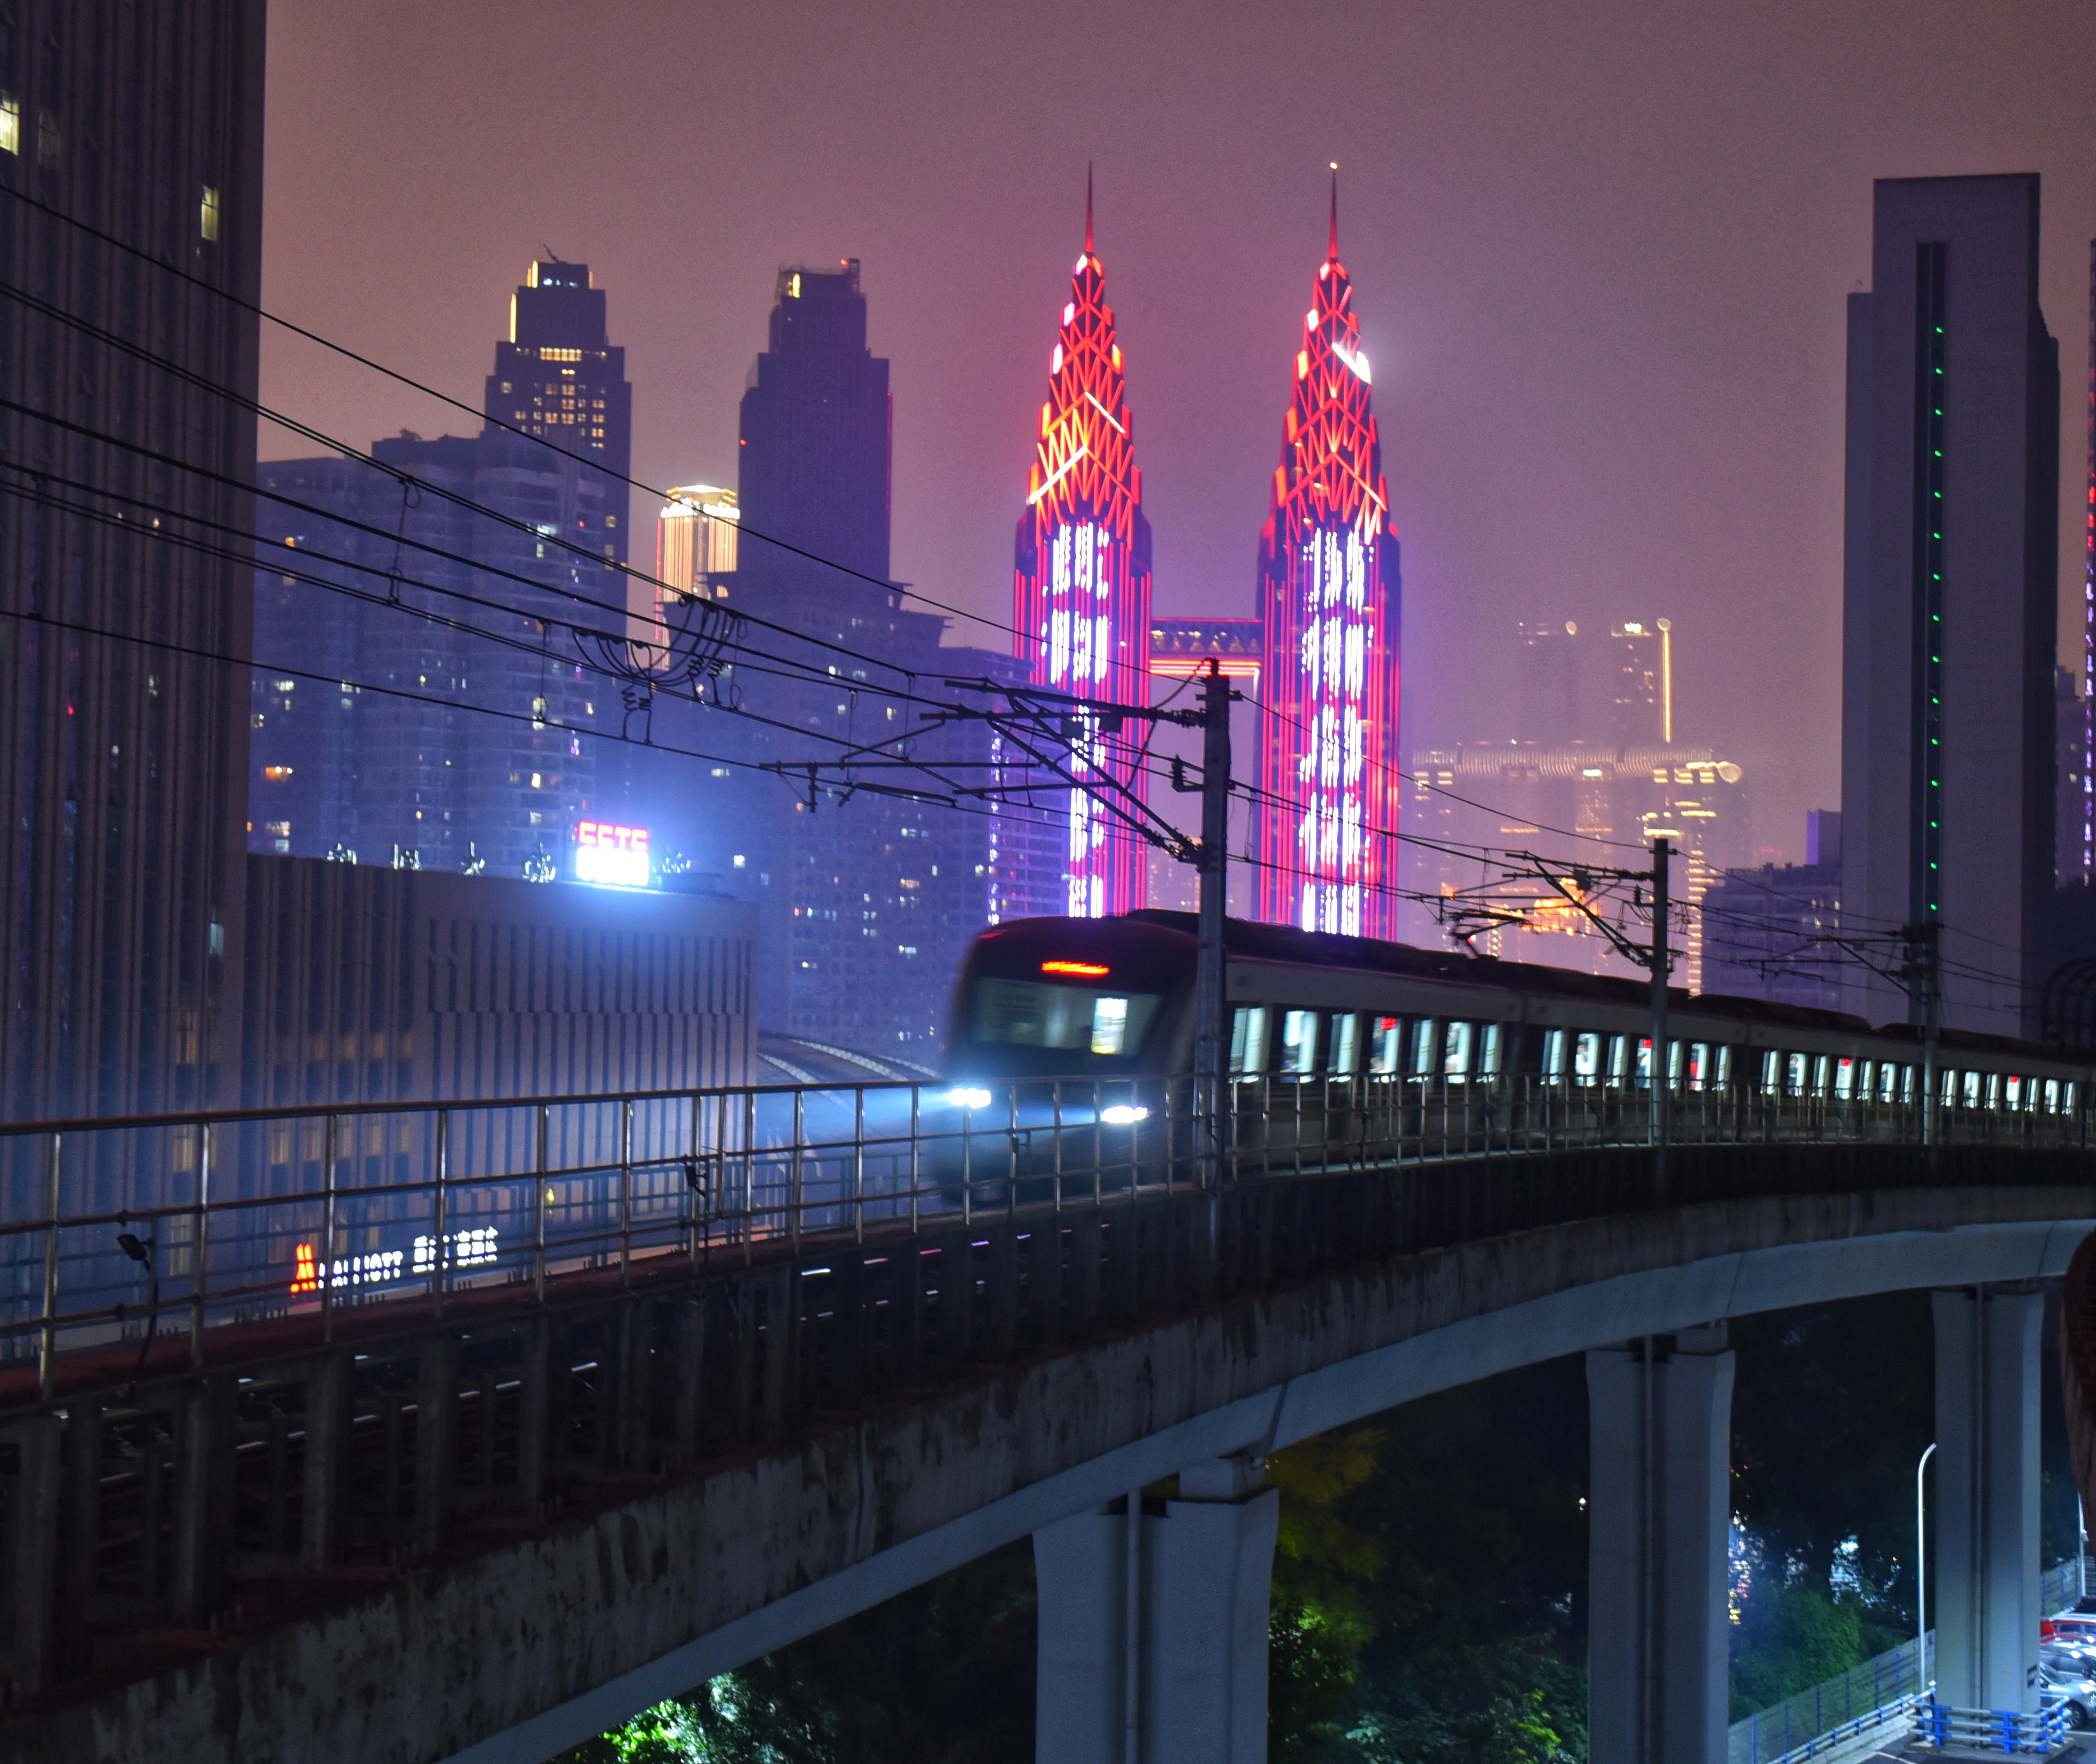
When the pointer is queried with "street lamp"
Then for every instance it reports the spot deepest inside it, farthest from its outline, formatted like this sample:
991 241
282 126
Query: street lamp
1921 1579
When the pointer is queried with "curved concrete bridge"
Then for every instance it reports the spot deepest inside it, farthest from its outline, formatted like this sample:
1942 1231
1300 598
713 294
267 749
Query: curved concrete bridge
591 1506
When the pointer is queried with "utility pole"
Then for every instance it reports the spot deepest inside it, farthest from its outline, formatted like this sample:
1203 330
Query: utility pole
1212 1039
1923 974
1662 850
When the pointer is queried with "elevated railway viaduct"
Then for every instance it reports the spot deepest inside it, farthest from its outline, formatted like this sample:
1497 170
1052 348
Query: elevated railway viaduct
489 1527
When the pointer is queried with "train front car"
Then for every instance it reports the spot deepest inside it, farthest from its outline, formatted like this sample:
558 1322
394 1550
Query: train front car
1069 1045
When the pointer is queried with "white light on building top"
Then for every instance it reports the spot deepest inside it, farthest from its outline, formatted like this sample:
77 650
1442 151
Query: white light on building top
611 857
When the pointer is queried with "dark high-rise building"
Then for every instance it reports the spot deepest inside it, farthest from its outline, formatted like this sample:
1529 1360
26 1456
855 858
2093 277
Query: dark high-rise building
1637 683
1547 701
559 377
122 757
434 587
870 883
1766 931
2077 863
1951 591
816 426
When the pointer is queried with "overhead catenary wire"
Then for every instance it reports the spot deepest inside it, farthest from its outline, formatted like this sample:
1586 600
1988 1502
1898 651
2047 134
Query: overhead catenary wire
297 427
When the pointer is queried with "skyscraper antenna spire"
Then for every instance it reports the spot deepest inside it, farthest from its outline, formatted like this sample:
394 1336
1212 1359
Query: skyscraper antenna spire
1332 244
1088 207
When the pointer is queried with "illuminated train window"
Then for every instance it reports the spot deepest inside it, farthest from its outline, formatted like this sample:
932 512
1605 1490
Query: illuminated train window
1386 1046
1248 1041
1346 1044
1298 1042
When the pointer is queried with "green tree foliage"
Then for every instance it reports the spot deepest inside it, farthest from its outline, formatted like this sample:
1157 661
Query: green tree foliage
1793 1637
1831 1405
1319 1619
941 1674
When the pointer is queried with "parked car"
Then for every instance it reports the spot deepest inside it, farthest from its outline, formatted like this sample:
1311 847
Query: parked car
2065 1679
2069 1625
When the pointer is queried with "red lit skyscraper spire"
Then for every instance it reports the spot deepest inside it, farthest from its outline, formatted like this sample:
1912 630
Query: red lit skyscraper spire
1328 598
1082 579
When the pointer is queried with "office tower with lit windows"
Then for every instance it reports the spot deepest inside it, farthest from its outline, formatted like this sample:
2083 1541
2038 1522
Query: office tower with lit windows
439 590
559 377
1080 592
1329 596
123 749
1951 596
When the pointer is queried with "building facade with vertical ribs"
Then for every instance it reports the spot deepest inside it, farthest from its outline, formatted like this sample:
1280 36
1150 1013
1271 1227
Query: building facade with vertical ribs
123 749
1951 598
1329 761
1080 589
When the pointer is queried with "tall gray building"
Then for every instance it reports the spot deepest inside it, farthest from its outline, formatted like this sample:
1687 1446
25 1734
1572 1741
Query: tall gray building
1951 589
123 741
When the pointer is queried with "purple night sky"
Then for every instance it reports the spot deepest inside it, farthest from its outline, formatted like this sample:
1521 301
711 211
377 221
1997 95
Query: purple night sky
1599 252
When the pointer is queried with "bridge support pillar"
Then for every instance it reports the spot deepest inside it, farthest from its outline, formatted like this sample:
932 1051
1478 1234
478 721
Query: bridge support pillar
1188 1685
1984 1528
1659 1508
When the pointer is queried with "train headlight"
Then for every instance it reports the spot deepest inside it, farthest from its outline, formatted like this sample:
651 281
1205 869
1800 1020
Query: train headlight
1124 1115
967 1096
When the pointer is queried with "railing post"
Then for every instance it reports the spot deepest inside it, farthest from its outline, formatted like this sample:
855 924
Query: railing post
47 1346
1011 1153
748 1174
858 1164
200 1246
539 1197
916 1161
327 1257
438 1216
626 1192
1057 1103
793 1183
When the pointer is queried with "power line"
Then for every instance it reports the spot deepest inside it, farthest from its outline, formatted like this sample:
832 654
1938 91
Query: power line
493 421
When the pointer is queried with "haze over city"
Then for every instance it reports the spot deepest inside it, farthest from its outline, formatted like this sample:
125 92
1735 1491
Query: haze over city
940 884
1600 256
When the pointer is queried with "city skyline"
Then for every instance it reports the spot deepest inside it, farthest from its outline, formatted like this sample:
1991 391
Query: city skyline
1561 443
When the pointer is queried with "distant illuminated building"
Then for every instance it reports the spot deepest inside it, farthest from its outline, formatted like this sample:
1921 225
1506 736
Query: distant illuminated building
1081 589
1328 591
1567 803
695 541
696 531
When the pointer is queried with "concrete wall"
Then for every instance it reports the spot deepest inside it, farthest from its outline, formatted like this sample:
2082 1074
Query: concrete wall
516 1652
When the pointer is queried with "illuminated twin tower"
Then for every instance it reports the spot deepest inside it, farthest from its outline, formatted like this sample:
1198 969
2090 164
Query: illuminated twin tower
1326 801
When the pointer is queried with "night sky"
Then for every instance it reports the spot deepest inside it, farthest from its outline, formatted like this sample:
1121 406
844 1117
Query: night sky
1599 253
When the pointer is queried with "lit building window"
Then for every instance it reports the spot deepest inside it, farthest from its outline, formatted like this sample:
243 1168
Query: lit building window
208 215
10 123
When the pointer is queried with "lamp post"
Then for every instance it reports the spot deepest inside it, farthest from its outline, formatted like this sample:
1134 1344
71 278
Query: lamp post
1921 1680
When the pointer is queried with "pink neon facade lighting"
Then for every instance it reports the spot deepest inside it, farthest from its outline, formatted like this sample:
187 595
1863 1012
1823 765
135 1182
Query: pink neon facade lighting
1081 589
1329 593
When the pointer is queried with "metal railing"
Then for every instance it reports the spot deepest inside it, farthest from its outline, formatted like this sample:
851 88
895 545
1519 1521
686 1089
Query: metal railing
2012 1732
118 1229
1803 1723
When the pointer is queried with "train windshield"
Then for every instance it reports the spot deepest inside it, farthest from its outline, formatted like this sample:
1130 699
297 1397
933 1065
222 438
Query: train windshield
1032 1013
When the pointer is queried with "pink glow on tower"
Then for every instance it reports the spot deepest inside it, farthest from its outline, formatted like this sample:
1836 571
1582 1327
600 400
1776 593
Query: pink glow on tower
1328 570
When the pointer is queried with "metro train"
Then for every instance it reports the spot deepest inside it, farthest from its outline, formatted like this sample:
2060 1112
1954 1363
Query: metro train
1113 999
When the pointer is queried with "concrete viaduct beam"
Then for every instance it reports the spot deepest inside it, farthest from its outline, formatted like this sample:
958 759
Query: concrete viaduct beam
514 1652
